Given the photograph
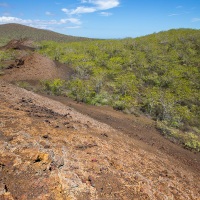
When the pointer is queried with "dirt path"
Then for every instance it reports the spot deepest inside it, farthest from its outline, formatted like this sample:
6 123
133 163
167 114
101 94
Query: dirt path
141 129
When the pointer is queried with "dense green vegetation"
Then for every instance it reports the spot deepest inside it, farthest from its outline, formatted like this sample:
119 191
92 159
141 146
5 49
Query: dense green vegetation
17 31
158 75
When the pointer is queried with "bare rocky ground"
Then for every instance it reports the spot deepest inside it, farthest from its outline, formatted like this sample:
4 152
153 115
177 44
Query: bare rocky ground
50 151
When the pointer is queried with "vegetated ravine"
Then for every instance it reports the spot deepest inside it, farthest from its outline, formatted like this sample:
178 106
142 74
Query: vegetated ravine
158 75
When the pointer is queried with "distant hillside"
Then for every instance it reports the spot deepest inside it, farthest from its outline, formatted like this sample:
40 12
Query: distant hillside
18 31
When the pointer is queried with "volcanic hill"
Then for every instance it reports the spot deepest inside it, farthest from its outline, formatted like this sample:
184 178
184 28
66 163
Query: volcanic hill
17 31
52 148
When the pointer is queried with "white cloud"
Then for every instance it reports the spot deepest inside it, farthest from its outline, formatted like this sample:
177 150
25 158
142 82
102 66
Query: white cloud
195 19
173 14
44 24
79 10
178 7
49 13
177 14
96 5
71 20
105 14
72 27
65 10
105 4
5 19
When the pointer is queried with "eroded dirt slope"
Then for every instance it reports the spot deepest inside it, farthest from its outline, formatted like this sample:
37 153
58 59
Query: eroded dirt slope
35 67
50 151
141 128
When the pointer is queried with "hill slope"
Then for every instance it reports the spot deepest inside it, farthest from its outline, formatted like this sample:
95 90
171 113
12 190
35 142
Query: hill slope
18 31
50 151
157 74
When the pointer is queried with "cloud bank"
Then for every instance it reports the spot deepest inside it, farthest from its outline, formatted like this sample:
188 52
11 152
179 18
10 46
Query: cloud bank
40 23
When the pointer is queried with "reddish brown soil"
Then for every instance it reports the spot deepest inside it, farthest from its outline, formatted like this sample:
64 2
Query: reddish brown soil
50 151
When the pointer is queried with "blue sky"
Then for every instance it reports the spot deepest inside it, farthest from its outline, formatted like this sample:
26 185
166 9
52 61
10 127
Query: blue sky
102 18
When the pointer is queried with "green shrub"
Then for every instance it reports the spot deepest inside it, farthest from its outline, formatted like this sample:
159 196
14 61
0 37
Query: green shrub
55 87
123 102
189 140
119 105
80 90
101 99
7 55
167 131
192 142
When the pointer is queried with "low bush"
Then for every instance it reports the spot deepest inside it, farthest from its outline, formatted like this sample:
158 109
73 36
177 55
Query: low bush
192 142
55 87
188 140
